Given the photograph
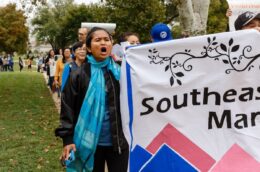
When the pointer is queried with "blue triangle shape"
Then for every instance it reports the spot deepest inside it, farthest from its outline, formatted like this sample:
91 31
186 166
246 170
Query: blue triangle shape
138 158
166 160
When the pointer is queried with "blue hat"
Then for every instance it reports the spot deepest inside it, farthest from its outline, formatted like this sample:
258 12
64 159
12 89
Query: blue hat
161 32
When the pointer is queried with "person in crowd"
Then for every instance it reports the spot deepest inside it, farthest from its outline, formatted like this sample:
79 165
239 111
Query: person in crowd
10 62
1 63
90 112
160 32
79 49
126 39
60 53
39 64
21 64
228 12
77 60
248 20
131 37
59 68
44 60
50 67
5 63
82 34
29 63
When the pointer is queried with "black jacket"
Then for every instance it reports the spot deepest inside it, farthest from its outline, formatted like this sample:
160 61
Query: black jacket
72 98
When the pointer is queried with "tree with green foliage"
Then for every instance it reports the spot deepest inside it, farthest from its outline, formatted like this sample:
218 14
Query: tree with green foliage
48 23
76 14
135 15
58 25
13 30
217 20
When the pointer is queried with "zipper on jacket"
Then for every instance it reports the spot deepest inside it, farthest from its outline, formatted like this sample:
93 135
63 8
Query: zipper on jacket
117 130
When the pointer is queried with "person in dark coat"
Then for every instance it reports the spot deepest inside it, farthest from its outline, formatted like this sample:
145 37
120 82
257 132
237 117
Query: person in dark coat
91 124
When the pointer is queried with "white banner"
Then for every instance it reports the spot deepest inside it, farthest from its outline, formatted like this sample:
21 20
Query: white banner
240 6
193 104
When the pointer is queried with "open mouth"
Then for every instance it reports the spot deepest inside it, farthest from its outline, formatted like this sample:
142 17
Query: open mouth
103 49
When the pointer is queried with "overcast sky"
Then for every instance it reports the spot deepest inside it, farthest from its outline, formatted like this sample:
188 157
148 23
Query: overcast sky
4 2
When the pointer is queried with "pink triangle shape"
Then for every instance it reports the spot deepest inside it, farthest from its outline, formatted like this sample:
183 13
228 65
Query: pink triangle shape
184 146
237 160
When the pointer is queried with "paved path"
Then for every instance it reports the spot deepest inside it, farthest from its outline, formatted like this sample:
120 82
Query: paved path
55 97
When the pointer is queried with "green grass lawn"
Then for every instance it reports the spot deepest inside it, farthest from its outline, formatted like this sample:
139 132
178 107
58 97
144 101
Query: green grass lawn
28 118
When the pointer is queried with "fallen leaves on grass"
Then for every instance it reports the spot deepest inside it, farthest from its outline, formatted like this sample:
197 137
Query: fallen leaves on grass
47 149
39 166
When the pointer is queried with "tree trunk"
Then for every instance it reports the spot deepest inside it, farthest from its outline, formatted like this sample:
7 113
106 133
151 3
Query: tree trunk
193 15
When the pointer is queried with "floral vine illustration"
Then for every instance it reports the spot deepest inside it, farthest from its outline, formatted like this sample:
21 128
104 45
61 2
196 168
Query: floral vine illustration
214 50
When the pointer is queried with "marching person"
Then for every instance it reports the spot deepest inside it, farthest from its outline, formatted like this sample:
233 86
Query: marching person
21 64
90 112
60 66
50 67
82 34
248 20
75 63
131 37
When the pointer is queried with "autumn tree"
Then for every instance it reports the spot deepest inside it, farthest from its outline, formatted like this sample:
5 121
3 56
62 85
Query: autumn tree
13 30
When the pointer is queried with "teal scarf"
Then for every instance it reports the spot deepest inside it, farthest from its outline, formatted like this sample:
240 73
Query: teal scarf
87 130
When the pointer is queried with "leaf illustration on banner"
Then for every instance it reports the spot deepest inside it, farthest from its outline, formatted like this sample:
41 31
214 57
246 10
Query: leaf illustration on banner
231 42
235 48
250 68
171 80
179 74
223 47
179 82
167 67
238 63
225 61
208 39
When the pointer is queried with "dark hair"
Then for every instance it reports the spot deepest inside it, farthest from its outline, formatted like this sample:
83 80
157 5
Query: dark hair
63 56
125 35
77 45
90 35
49 54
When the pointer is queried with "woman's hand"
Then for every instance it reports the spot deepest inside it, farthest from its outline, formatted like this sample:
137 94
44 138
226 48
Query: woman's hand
56 83
66 151
228 12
